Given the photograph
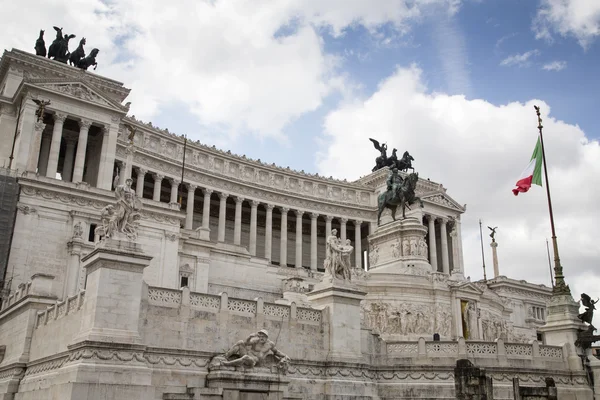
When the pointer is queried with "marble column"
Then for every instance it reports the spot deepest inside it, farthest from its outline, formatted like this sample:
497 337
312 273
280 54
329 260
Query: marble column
253 214
44 154
107 158
283 246
222 210
157 186
189 216
139 187
343 223
206 209
67 172
313 240
36 146
123 172
59 120
460 263
101 180
174 189
357 244
432 245
237 228
328 219
444 237
299 215
84 130
269 233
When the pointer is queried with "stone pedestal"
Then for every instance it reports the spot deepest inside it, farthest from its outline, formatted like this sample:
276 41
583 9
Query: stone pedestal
562 326
342 299
111 310
240 384
400 247
595 366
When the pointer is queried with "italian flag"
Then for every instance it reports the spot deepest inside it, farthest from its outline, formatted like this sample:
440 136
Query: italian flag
532 174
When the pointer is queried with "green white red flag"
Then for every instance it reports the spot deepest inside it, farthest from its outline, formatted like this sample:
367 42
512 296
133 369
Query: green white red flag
532 174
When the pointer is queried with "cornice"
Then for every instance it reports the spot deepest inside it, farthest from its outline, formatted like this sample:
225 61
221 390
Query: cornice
212 150
36 64
513 286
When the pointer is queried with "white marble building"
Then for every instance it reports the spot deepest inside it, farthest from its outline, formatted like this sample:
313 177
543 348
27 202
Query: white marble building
237 246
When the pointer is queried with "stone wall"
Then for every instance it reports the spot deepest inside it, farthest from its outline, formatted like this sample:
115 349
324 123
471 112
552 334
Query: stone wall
211 323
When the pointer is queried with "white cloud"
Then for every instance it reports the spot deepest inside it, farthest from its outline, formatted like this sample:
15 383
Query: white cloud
520 60
555 66
239 65
578 18
477 150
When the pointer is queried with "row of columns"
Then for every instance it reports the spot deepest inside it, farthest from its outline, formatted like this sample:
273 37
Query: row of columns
433 254
191 191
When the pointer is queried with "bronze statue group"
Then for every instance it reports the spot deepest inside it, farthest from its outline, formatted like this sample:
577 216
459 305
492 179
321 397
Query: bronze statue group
400 191
59 50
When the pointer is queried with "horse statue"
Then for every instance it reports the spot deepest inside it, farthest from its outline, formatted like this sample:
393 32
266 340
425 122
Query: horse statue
403 197
59 49
405 163
380 161
40 45
78 54
392 160
88 61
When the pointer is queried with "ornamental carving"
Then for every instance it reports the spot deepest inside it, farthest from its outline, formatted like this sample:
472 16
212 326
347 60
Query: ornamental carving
78 91
408 319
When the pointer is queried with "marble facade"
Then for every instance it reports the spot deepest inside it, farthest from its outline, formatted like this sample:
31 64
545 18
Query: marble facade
237 247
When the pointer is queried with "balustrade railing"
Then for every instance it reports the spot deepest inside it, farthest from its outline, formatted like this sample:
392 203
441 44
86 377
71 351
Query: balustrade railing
174 298
60 309
474 349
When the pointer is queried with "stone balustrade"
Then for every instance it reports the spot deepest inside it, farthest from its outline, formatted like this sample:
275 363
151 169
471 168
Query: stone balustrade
497 353
174 298
60 309
20 293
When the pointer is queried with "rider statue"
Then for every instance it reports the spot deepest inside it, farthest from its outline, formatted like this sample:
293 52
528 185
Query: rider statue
394 181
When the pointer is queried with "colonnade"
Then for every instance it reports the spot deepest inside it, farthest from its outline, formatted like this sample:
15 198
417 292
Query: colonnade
207 193
76 166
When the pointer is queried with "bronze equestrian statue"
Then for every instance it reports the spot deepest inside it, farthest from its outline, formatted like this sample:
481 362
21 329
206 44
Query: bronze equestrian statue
380 161
78 54
40 45
401 192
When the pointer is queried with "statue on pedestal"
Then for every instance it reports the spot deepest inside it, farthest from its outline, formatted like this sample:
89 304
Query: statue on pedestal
493 232
121 219
382 160
586 338
337 257
40 45
252 352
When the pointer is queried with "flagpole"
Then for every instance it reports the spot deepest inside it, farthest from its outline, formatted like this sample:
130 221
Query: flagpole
549 263
560 287
482 253
182 169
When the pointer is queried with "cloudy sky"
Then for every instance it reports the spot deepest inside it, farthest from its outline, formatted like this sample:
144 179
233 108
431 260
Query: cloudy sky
305 83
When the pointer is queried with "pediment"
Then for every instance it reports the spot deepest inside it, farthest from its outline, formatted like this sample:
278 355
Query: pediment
467 287
78 90
442 199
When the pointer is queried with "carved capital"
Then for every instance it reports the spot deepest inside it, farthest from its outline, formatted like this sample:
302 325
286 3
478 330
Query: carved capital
284 210
239 199
314 215
85 124
358 223
255 203
174 182
158 177
223 196
270 207
442 220
208 192
344 221
329 218
141 171
299 213
39 126
191 187
60 117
